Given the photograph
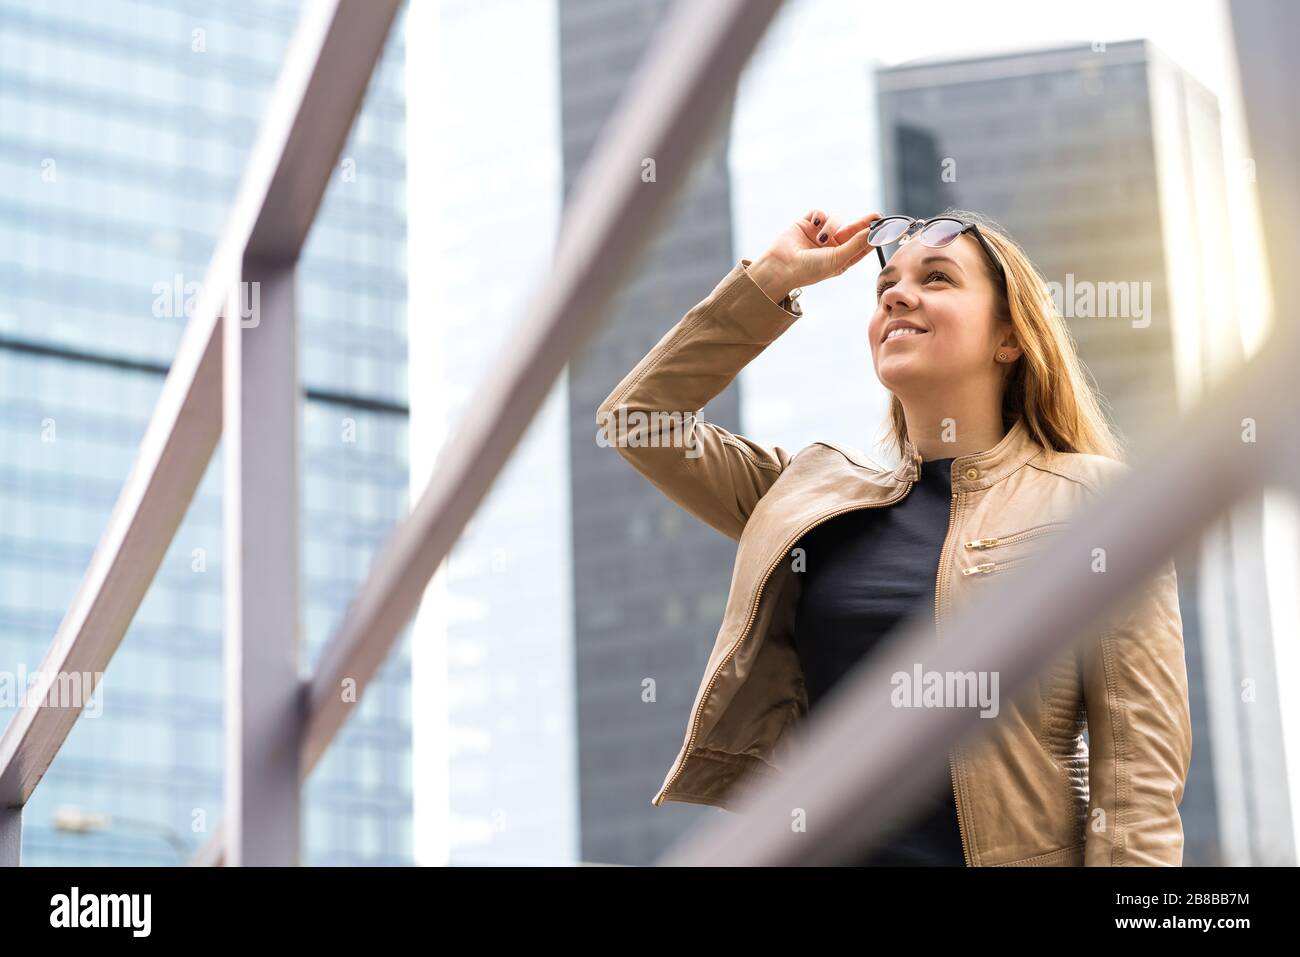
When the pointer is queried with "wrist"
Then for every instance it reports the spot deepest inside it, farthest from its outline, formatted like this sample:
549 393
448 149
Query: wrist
771 277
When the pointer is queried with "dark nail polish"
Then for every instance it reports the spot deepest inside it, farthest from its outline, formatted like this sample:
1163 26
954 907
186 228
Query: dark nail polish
821 238
817 222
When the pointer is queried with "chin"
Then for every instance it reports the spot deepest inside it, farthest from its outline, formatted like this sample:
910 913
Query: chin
900 377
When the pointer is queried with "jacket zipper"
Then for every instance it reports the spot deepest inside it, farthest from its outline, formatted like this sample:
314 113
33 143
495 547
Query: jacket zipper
1017 537
984 568
753 613
952 755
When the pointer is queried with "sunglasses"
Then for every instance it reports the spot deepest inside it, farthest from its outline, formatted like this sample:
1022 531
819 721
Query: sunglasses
935 233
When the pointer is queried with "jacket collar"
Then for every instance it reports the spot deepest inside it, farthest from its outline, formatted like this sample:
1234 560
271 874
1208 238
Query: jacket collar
978 470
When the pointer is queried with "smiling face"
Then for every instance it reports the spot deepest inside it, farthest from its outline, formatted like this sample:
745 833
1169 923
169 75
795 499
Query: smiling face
947 296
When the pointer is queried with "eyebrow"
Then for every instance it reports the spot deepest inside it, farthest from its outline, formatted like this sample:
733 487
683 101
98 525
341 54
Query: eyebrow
927 259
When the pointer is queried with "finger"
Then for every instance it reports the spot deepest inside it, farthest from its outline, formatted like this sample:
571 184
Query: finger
826 237
854 249
816 216
812 224
853 228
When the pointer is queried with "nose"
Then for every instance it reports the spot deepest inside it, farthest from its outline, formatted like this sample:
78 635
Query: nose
897 296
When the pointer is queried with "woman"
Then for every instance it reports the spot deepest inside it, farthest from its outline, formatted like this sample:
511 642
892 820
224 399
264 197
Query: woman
1001 441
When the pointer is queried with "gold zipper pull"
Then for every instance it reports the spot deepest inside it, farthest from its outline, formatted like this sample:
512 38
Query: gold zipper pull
978 569
982 543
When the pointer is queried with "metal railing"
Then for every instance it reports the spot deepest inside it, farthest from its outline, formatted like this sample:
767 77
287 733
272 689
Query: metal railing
278 727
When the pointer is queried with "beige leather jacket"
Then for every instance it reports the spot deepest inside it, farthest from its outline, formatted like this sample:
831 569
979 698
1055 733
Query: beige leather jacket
1031 791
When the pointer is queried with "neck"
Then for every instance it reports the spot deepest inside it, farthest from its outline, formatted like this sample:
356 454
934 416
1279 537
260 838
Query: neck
940 432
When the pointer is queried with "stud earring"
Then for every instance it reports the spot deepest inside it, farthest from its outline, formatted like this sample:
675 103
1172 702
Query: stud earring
1001 356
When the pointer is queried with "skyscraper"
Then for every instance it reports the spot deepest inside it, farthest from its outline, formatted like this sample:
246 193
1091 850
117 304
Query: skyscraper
639 647
124 129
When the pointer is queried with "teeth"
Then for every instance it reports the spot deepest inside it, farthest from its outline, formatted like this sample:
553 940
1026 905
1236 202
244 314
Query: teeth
904 332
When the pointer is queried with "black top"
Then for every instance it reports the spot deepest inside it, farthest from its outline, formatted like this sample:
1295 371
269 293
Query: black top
865 571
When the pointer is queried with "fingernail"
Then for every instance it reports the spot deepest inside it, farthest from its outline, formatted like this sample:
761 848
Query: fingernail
817 222
821 238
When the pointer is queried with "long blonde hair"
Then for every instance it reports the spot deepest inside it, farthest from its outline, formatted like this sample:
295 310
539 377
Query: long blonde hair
1048 386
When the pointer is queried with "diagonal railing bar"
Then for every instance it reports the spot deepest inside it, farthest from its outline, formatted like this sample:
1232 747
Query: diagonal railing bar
321 86
327 68
864 753
861 753
682 83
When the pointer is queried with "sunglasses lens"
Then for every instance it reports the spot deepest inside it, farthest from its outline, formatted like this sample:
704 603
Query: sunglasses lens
940 232
886 231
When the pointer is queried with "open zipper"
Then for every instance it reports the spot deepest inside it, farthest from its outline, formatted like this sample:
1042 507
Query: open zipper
753 613
1033 532
985 568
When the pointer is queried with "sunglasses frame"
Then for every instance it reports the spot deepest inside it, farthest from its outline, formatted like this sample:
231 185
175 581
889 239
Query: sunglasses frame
914 223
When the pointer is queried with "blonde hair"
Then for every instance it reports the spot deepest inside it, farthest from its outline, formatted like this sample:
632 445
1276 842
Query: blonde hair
1048 386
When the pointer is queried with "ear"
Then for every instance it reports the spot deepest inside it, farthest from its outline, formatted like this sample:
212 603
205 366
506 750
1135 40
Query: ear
1009 347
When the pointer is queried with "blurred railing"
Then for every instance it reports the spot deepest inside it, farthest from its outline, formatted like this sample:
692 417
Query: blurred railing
237 377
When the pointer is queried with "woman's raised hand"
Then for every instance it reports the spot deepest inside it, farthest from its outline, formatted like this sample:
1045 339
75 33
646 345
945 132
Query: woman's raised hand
811 249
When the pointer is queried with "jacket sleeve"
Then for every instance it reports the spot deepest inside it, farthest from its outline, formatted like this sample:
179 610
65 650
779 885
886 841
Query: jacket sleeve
1139 730
653 416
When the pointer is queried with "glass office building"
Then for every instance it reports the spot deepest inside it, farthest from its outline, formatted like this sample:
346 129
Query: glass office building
124 129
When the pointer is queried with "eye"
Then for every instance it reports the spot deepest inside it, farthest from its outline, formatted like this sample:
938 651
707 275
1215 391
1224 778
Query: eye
880 289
